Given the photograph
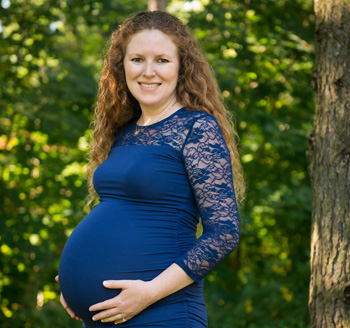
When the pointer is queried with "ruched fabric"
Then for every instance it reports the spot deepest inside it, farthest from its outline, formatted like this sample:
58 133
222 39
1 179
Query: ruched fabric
153 188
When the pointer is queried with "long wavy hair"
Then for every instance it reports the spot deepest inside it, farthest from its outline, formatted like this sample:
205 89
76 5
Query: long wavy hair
197 90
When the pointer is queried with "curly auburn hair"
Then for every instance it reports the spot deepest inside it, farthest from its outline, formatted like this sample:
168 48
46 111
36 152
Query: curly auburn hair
197 90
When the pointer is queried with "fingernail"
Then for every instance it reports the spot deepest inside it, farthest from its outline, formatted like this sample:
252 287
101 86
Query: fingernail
106 283
93 318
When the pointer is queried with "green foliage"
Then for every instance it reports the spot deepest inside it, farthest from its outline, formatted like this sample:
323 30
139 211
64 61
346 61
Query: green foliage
51 55
50 59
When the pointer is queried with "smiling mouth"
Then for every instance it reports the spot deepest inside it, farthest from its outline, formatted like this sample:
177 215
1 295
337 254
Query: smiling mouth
149 85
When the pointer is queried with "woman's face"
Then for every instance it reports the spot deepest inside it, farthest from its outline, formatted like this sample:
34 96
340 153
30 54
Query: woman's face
151 65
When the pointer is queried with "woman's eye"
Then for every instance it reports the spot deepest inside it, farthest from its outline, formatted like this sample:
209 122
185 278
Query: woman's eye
136 60
163 60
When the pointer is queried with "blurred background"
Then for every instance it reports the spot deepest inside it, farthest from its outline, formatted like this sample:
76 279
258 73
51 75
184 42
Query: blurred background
51 55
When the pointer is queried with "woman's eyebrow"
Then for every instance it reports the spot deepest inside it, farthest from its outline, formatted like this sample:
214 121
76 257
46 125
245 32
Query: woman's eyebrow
140 55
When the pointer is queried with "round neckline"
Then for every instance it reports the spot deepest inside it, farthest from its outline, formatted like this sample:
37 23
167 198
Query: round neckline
161 121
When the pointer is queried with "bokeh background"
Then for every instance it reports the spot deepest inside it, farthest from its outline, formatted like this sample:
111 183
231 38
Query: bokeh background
51 55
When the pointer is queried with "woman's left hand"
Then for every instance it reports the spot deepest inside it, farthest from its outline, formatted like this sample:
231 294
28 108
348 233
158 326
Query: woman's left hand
136 295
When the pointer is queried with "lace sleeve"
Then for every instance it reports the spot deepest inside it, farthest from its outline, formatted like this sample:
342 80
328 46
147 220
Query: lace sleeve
208 165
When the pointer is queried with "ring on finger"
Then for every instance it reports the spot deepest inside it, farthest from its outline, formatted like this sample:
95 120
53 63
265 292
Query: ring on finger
121 316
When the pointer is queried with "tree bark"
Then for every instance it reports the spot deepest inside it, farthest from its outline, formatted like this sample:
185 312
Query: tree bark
157 5
329 166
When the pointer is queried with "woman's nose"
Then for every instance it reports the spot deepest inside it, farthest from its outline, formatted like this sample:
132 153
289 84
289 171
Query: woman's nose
149 70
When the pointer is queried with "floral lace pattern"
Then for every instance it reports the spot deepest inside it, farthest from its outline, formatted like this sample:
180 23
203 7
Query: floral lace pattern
206 157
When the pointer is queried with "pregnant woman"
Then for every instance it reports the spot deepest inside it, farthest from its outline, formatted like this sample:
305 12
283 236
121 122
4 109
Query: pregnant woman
163 157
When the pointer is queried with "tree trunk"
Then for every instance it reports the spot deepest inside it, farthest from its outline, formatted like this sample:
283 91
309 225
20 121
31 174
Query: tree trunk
157 5
329 166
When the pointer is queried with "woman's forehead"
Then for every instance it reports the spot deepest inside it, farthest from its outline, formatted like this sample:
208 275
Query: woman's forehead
151 41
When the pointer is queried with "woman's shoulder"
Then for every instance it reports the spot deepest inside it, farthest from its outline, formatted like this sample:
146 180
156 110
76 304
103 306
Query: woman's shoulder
198 115
199 119
203 125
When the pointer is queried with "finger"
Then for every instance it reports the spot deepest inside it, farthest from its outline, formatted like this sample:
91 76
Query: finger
116 284
106 314
70 312
116 317
56 278
68 309
117 322
102 306
63 301
78 318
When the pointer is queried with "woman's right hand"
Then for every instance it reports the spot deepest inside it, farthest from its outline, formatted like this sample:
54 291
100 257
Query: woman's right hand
65 305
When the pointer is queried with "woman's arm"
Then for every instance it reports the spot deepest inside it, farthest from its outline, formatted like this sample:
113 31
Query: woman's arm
170 281
208 164
136 295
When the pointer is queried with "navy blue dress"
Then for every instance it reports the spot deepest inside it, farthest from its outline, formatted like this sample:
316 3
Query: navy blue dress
153 188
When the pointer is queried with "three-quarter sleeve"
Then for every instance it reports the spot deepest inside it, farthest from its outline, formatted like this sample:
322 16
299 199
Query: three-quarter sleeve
208 165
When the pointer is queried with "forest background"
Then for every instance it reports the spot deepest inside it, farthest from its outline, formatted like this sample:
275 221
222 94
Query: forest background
51 55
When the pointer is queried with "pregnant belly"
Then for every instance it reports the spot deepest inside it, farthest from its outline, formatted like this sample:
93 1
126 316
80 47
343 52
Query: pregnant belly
113 242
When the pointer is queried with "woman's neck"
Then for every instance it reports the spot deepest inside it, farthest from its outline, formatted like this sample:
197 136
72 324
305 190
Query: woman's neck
151 115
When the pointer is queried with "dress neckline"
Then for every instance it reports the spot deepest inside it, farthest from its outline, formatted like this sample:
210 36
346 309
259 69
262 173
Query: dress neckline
161 121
